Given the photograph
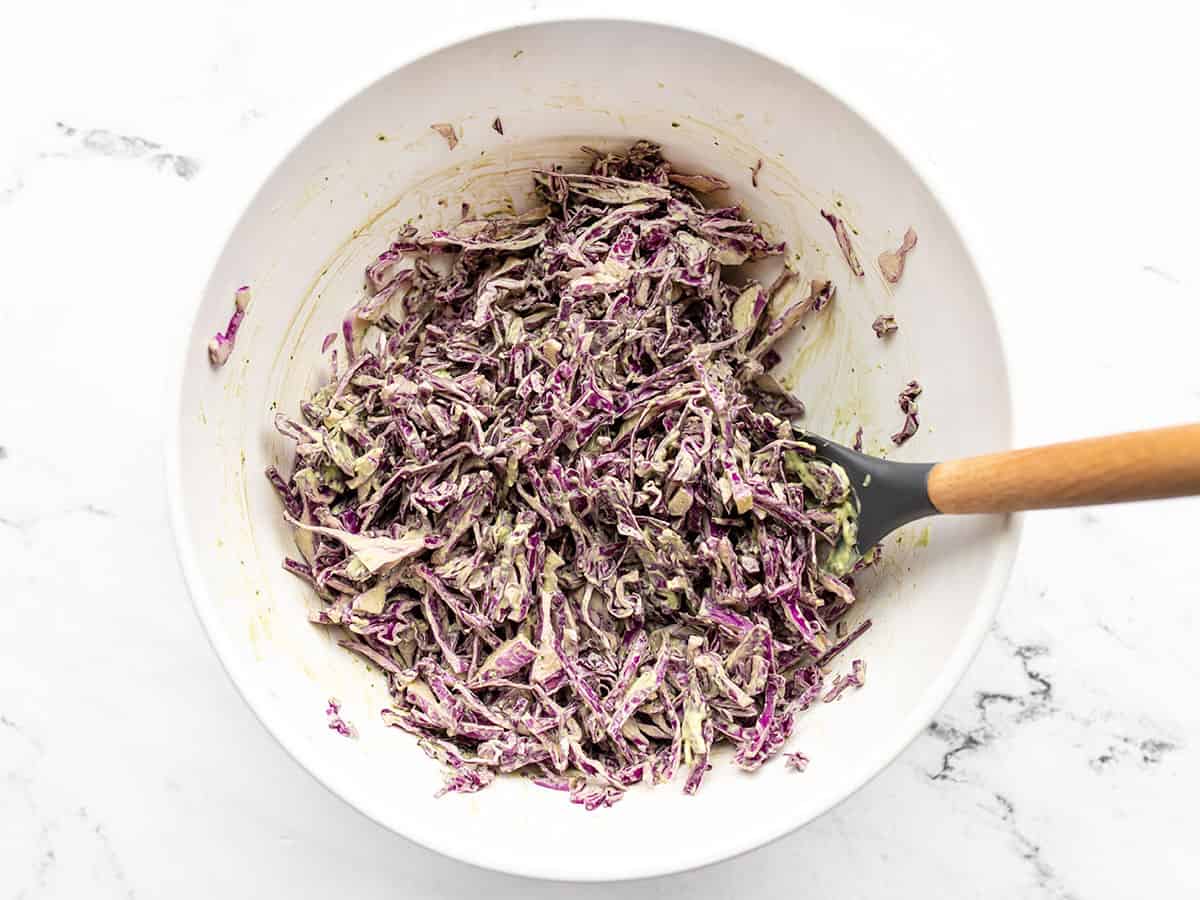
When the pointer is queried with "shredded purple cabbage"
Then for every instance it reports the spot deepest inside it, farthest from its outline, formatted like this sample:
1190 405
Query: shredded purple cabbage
498 127
842 234
855 678
884 325
221 345
908 406
333 716
891 262
466 779
797 761
446 130
548 490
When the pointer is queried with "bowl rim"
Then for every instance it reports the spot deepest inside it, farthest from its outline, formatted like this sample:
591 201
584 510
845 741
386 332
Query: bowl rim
532 866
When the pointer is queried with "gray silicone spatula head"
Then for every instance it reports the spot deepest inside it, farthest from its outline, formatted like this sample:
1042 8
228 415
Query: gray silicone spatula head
889 494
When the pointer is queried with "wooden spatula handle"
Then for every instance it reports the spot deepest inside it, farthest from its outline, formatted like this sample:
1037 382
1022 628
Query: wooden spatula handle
1141 465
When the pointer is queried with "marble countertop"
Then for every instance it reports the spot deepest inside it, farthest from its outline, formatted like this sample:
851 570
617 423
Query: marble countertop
1066 764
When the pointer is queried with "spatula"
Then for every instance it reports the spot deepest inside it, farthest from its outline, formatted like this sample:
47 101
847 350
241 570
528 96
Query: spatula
1140 465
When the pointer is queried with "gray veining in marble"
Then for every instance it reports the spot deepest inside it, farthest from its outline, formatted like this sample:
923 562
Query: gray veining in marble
101 142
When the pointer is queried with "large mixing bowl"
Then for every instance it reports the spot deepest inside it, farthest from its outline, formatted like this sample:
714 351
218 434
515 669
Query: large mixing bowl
335 202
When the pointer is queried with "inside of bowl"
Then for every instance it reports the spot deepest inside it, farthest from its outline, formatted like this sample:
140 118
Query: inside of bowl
376 165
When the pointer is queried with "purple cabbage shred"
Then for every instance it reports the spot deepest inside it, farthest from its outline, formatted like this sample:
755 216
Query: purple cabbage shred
466 779
884 325
446 130
891 262
221 345
855 678
333 715
908 405
797 761
842 233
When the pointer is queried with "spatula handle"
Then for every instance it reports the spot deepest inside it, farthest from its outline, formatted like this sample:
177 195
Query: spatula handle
1141 465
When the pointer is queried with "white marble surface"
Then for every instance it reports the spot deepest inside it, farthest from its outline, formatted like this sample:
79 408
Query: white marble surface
1066 764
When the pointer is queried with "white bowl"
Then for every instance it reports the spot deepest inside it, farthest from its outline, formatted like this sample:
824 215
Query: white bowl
333 204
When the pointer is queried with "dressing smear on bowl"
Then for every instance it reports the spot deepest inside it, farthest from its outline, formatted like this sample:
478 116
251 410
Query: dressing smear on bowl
553 492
